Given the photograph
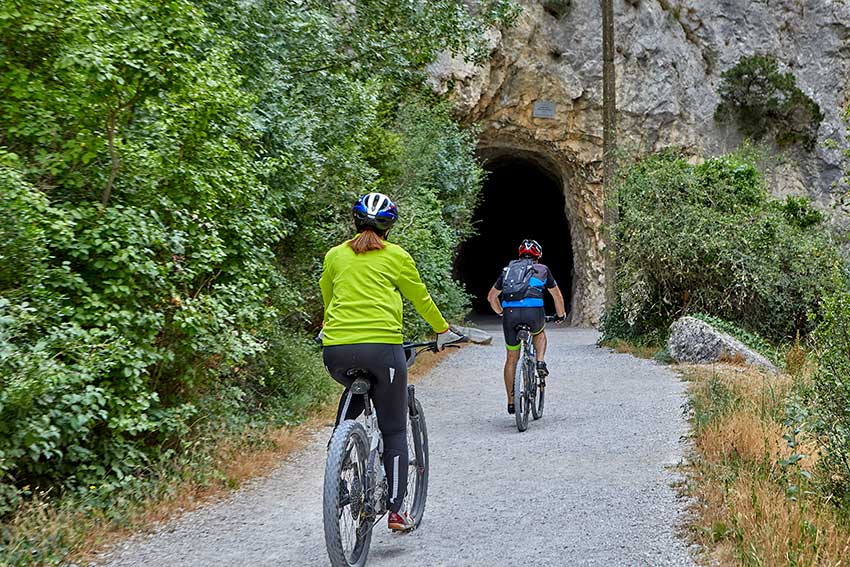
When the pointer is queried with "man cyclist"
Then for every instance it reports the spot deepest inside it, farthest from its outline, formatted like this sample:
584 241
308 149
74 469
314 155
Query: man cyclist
526 310
363 281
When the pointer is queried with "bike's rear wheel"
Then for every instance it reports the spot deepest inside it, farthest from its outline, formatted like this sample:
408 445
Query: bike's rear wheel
348 527
417 475
521 405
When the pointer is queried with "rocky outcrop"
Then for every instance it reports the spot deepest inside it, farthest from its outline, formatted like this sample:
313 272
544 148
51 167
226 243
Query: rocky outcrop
695 341
670 55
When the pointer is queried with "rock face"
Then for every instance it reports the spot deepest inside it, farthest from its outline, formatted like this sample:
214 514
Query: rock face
695 341
670 55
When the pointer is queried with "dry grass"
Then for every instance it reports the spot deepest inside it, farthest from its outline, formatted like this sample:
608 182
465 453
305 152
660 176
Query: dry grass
751 507
236 459
77 534
81 532
743 436
625 347
754 389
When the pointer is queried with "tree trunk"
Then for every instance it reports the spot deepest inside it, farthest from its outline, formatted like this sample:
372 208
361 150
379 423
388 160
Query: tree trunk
610 214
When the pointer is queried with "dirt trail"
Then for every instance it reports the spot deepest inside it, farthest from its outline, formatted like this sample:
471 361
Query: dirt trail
589 484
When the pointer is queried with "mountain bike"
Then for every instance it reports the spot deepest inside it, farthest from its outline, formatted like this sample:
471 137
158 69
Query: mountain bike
355 490
529 387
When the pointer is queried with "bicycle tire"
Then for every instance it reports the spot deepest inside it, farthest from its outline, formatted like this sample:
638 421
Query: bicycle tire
417 476
537 403
349 449
541 394
520 395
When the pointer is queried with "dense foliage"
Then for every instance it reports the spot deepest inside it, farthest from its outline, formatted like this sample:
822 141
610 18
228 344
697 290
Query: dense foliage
171 174
829 399
830 394
761 99
707 238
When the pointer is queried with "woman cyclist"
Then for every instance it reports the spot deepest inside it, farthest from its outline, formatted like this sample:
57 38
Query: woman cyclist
363 281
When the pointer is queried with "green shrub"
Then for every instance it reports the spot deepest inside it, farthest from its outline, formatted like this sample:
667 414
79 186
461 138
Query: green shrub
830 394
707 239
663 356
761 100
828 400
436 178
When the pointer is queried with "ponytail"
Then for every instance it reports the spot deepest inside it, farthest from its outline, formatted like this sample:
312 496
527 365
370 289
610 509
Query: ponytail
366 241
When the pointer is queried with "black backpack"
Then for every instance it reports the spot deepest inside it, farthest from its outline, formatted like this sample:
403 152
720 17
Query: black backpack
516 284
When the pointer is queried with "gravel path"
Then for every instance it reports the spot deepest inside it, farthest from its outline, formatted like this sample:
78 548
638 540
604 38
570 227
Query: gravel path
589 484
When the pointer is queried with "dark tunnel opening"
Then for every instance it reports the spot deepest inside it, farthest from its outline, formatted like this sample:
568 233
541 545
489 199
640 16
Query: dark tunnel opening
519 200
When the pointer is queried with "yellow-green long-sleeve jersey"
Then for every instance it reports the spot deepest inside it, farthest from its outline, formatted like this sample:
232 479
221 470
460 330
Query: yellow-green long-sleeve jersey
362 295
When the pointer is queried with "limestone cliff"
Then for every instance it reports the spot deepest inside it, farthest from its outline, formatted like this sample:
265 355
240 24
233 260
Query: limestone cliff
670 55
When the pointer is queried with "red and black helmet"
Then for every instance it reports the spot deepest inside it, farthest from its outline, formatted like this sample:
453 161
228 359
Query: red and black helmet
531 249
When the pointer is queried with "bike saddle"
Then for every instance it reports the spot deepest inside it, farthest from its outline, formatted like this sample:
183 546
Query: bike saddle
360 386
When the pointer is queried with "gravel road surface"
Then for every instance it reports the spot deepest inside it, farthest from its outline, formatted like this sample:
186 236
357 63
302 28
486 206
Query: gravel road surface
588 484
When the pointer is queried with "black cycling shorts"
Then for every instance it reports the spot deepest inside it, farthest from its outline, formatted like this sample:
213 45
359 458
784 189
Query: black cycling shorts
534 317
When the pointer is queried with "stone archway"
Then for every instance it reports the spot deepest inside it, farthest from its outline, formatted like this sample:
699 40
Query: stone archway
529 103
520 198
582 208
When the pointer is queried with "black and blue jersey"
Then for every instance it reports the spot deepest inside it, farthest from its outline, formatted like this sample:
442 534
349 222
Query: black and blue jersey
542 278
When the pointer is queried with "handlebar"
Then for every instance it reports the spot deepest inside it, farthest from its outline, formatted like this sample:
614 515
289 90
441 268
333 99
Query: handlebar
411 350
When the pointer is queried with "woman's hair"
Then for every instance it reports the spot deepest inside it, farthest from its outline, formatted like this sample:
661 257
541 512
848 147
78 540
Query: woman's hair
366 241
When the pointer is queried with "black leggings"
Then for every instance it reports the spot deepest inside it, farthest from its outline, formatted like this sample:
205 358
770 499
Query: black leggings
388 366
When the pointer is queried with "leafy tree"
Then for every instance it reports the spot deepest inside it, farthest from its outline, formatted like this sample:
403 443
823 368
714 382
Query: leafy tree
760 99
171 174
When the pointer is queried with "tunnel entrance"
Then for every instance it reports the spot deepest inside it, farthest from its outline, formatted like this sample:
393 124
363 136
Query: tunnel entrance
519 199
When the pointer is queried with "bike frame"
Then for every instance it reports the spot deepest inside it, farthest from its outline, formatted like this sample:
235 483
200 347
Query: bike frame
528 385
528 339
366 497
375 478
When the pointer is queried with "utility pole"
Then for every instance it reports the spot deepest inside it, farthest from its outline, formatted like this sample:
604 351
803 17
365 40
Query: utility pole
610 213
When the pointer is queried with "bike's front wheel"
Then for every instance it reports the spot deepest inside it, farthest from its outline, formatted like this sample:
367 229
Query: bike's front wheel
540 391
348 525
521 405
417 450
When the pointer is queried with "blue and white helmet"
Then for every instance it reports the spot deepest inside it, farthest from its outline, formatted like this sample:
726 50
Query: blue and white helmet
374 210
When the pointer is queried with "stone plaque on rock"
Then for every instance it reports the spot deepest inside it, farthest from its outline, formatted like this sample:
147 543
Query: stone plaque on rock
543 109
